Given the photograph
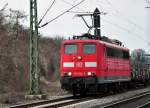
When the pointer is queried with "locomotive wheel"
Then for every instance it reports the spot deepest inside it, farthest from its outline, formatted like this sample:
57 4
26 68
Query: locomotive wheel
117 88
74 93
83 92
74 90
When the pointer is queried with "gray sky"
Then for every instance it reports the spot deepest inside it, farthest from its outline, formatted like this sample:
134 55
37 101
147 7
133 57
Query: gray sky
126 20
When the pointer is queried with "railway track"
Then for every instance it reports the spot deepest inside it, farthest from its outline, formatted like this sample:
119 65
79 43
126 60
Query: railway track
54 103
40 103
140 101
63 103
146 105
71 100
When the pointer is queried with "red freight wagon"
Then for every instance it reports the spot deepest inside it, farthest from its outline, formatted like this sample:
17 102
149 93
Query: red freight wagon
88 64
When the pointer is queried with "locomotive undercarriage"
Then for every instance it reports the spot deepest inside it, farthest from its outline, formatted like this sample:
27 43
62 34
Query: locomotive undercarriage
83 86
79 85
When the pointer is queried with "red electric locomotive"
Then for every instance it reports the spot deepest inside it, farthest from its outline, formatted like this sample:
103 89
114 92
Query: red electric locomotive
88 64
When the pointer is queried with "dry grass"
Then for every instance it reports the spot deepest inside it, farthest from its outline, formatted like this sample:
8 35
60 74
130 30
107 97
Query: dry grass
14 62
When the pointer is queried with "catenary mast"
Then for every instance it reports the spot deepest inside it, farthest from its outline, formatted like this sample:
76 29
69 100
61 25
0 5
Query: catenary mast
34 69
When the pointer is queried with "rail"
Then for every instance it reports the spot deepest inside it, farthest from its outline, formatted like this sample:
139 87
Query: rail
145 105
134 102
40 102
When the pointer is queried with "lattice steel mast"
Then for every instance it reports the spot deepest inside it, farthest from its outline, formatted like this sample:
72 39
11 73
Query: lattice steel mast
34 69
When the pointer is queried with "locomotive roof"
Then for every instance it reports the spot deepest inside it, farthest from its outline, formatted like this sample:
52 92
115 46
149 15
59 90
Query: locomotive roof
96 41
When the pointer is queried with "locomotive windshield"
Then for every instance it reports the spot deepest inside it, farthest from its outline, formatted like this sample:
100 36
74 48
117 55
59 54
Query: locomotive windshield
70 49
89 48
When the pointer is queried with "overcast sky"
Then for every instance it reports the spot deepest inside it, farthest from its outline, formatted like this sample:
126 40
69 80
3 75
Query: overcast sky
126 20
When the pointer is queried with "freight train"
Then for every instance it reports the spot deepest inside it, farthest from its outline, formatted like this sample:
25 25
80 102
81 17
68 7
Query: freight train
88 63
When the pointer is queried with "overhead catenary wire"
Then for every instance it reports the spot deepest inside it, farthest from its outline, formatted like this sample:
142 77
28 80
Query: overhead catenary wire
79 12
128 21
47 12
104 13
71 4
147 1
125 29
116 25
67 2
62 14
122 16
125 19
110 4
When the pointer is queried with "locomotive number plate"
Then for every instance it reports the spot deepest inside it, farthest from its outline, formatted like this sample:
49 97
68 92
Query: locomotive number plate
79 64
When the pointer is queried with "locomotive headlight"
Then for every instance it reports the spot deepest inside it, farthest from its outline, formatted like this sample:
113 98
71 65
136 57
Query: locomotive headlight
69 73
79 57
89 73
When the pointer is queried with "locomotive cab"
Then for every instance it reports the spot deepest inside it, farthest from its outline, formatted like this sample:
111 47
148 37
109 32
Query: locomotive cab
78 64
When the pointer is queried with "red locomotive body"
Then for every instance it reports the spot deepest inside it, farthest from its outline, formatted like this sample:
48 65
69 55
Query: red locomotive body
87 64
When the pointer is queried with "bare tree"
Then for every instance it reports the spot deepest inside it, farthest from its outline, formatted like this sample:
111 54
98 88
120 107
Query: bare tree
4 7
